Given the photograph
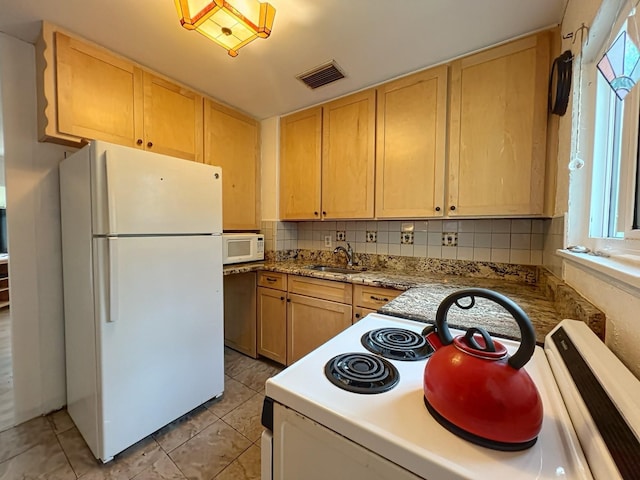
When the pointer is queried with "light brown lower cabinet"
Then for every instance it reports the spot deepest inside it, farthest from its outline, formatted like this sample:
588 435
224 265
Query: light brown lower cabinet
272 324
240 312
311 322
360 312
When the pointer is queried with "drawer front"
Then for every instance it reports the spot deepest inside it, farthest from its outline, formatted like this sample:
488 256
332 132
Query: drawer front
373 297
272 280
319 288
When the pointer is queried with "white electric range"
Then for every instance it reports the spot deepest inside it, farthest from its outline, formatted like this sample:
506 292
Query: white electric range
317 430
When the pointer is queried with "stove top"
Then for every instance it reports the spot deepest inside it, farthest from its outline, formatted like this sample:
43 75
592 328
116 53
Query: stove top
396 425
397 344
361 373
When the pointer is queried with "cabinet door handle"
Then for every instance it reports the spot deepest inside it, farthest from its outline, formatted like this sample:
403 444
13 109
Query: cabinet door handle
357 315
270 279
452 207
324 214
437 209
139 141
315 213
289 300
281 298
149 144
379 299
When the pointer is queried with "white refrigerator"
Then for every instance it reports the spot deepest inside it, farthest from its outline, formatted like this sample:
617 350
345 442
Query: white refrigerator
142 267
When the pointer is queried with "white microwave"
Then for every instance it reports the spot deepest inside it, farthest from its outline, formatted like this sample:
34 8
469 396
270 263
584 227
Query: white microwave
242 247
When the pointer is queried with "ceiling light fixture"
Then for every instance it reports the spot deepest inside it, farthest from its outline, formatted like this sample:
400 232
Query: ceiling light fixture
230 24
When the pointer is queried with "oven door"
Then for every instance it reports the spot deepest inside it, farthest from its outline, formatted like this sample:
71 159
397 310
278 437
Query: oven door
302 448
266 455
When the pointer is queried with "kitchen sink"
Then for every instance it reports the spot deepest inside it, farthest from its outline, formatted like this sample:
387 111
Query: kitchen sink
330 269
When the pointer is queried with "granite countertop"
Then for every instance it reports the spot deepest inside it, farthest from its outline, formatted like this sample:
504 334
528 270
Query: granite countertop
424 291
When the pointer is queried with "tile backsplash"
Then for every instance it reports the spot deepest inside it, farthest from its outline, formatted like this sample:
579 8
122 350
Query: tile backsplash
516 241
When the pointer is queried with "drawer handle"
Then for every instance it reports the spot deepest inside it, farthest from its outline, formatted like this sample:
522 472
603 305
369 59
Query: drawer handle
271 279
379 299
357 315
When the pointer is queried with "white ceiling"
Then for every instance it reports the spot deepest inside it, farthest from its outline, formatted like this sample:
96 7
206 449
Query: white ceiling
372 40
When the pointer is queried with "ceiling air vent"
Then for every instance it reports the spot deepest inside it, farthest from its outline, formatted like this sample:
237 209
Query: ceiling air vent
321 75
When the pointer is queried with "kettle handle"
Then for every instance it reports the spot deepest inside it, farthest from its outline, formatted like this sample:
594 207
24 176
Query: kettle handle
527 334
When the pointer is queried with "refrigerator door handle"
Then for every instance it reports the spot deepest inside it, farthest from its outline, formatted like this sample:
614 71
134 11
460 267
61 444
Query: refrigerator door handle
111 194
112 251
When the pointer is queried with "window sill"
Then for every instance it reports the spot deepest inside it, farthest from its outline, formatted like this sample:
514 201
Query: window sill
623 271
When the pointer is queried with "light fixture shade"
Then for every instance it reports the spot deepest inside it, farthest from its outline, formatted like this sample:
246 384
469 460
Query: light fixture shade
230 24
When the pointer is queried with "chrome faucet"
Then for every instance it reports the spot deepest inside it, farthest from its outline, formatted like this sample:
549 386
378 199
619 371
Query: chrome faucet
347 251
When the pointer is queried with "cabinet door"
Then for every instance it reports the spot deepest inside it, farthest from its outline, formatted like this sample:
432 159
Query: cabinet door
240 312
348 162
172 119
272 324
410 153
300 165
231 141
96 93
360 312
311 322
498 130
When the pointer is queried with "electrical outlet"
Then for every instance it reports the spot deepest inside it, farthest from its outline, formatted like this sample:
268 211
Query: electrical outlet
450 239
327 241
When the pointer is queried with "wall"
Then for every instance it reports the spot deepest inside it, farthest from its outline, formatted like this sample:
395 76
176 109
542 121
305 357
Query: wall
34 239
618 303
517 241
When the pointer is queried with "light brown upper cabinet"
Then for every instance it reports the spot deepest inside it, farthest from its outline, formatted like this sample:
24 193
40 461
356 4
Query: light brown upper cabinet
348 156
172 119
327 160
498 130
232 142
86 92
96 94
411 145
301 165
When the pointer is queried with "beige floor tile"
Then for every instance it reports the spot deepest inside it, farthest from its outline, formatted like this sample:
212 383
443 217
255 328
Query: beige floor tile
246 418
245 467
77 451
129 463
255 376
43 461
24 437
236 363
186 427
235 393
163 469
209 452
60 421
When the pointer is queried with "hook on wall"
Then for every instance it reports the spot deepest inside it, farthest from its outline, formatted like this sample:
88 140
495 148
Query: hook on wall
581 31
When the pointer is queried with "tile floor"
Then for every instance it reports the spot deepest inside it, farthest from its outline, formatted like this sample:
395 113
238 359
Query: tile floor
219 440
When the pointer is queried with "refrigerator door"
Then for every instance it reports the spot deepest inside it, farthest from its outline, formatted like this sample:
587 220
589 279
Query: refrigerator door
159 322
135 192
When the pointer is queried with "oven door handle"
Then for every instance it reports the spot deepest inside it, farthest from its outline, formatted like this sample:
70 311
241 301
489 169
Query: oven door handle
267 413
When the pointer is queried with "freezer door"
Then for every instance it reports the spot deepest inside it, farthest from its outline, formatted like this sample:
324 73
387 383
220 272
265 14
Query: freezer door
137 192
160 332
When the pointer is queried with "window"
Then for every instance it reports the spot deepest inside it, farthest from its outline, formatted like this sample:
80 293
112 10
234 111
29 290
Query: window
615 197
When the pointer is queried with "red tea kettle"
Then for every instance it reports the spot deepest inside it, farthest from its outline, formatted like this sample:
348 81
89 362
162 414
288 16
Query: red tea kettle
474 388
